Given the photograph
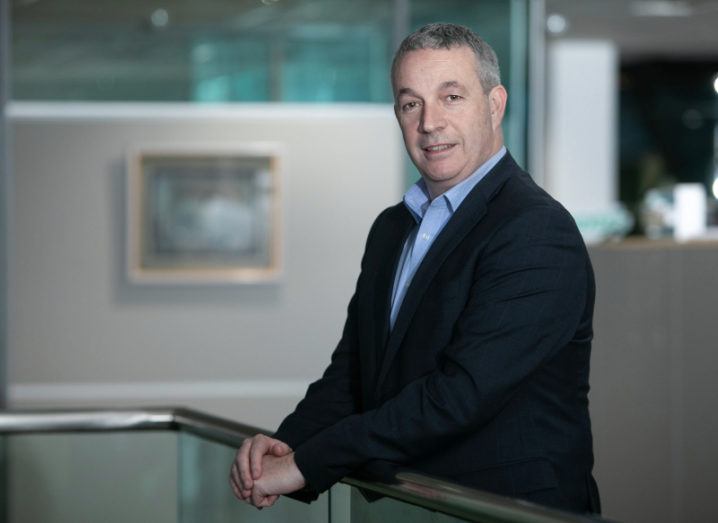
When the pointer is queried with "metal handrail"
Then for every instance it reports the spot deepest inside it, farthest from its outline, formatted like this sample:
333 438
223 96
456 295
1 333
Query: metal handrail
412 488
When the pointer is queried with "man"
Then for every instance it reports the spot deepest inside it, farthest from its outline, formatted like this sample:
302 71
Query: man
465 352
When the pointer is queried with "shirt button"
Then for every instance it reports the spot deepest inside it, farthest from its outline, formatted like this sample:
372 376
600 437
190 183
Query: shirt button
425 236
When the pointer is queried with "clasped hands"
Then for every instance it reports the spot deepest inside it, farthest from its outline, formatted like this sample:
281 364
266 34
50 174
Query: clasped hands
263 469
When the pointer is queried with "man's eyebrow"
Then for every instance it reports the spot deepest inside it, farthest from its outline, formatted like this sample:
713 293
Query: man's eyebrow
444 85
405 90
451 83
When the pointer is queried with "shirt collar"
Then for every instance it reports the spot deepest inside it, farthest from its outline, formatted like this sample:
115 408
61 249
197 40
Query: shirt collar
417 198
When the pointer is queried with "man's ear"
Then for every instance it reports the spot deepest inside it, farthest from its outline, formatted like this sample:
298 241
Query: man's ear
497 104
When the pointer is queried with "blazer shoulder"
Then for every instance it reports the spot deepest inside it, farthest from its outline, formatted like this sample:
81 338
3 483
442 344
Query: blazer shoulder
395 217
520 194
398 211
518 198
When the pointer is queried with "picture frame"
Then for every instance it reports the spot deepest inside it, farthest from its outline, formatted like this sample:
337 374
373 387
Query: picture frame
203 215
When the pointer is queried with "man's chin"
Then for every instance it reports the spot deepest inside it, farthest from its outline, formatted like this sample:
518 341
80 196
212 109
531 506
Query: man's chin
442 177
439 183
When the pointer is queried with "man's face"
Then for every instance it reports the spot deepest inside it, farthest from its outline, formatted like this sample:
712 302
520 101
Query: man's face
450 125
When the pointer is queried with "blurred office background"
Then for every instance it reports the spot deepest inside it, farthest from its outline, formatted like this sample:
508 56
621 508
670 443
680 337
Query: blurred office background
613 108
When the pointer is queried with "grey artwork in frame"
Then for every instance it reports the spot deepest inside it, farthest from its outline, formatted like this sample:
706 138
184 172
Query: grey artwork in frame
204 215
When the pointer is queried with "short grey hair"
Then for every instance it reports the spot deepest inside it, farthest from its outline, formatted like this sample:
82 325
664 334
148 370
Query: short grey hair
448 36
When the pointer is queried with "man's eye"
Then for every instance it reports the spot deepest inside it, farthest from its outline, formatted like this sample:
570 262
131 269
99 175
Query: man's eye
409 106
453 98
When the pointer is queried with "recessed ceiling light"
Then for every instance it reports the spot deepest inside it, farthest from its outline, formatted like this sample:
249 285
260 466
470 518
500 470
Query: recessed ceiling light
160 18
556 23
715 83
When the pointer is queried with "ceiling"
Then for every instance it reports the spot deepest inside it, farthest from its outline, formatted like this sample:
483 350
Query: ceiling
644 28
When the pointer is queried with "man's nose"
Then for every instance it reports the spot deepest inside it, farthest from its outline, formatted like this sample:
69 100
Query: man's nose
432 119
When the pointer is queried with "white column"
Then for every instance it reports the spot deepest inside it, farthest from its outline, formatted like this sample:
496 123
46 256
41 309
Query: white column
581 167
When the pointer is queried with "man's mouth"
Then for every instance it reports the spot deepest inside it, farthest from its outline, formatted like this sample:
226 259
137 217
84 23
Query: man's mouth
438 148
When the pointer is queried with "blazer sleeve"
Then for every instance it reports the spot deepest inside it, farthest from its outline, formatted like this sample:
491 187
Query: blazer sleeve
529 292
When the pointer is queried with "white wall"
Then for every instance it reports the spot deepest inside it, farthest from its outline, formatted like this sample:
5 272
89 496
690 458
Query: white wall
80 334
582 126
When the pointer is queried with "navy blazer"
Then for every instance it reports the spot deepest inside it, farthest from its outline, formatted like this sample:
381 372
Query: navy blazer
484 378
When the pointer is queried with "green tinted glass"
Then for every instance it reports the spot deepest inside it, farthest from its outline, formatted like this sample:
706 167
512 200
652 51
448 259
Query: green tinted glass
228 51
108 477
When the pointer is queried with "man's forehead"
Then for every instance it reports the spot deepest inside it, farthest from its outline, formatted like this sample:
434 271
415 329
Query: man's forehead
419 62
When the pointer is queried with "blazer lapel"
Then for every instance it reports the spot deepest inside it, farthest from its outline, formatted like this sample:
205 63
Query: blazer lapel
397 232
469 213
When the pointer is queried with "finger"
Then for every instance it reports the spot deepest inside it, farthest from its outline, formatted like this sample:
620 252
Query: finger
259 449
271 500
242 461
268 501
235 488
238 492
257 498
234 474
241 493
263 504
280 449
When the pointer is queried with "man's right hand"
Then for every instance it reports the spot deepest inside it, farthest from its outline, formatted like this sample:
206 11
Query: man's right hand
247 465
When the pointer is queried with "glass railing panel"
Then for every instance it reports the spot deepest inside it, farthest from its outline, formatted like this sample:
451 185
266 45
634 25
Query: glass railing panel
393 510
205 495
112 477
168 465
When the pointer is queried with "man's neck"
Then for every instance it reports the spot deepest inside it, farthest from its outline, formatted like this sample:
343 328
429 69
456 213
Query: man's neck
437 189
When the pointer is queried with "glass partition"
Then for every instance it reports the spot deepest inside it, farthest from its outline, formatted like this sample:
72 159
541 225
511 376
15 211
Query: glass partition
210 51
248 50
107 477
132 476
172 465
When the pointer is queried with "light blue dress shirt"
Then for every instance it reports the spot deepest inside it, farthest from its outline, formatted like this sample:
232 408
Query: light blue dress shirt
431 217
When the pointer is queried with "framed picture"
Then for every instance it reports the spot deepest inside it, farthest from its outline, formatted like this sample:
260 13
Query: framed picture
203 215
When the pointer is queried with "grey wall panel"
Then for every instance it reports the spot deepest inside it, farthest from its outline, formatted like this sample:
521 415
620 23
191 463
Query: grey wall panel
629 376
653 402
77 319
697 359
